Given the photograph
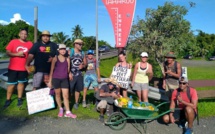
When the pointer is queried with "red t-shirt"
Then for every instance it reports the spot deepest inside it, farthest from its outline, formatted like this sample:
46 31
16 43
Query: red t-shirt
193 95
18 63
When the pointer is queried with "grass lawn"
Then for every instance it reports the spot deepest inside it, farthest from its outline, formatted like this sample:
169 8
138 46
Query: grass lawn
201 73
206 88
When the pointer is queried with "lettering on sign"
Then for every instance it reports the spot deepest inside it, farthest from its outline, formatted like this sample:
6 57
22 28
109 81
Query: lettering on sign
39 100
122 75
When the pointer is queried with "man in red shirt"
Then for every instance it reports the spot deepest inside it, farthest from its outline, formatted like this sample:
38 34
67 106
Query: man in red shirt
17 50
186 99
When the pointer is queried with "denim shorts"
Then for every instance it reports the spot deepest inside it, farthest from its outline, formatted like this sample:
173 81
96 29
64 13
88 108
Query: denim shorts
90 79
141 86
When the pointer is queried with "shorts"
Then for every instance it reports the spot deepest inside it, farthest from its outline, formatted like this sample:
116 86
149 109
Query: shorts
60 83
101 104
141 86
76 84
90 79
180 115
15 77
38 79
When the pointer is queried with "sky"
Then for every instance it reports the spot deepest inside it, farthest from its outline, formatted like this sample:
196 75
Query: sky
63 15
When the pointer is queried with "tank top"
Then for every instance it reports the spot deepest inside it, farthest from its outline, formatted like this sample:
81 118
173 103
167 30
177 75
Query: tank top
61 69
120 65
75 60
141 76
171 80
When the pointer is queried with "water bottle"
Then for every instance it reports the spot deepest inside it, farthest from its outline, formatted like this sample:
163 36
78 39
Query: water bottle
130 102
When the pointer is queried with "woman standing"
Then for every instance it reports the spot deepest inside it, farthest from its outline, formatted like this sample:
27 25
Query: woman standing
122 63
59 74
142 75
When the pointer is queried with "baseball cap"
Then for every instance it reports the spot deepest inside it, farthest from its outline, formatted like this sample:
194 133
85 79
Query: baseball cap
90 52
144 54
183 79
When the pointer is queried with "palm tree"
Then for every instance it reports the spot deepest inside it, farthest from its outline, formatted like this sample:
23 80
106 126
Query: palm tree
77 32
61 38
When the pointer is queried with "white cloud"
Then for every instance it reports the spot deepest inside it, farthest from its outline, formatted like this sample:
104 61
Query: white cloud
3 22
17 17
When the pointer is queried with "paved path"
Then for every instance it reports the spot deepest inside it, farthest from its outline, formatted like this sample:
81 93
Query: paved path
202 83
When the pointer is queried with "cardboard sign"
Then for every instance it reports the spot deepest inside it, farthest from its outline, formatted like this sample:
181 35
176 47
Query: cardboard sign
121 13
122 75
39 100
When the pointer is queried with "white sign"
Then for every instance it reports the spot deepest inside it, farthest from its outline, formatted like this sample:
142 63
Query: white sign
184 72
122 75
39 100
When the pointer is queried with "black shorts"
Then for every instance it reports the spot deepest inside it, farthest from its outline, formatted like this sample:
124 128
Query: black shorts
180 115
77 84
60 83
15 77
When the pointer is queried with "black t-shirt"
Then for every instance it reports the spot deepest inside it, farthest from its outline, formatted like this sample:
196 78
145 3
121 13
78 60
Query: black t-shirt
42 52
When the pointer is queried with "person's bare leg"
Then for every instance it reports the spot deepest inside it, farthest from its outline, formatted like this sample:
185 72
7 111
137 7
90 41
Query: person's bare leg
84 94
77 94
10 89
190 116
124 93
65 92
145 95
20 89
58 97
139 95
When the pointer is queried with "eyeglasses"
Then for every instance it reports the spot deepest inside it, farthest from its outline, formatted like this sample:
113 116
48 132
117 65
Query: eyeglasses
79 44
184 83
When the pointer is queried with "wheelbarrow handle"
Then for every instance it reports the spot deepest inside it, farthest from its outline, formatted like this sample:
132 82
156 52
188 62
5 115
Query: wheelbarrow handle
162 104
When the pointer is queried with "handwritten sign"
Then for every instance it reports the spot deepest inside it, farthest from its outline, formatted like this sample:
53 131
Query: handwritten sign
39 100
122 75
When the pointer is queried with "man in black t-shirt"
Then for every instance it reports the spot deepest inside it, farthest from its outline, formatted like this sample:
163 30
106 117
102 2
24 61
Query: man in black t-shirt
42 53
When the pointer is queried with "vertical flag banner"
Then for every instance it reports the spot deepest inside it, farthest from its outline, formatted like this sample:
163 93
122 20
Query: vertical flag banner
121 13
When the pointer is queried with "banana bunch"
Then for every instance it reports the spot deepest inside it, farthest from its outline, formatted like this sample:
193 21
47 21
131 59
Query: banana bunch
123 102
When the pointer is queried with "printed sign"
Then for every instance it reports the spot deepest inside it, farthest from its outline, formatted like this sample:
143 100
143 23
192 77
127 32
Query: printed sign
121 13
39 100
122 75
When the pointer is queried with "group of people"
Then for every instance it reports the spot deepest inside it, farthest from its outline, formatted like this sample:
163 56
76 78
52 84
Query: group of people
62 70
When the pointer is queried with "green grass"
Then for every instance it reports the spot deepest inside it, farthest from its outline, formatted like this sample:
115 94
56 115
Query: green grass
205 88
206 107
201 73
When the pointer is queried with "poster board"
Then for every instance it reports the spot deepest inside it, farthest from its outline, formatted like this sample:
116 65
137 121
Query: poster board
39 100
122 75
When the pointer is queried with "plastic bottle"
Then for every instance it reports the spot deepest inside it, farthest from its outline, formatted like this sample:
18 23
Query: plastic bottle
130 102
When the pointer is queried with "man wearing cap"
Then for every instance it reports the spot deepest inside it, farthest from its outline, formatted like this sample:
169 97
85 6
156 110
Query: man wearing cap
106 94
186 99
172 72
42 53
78 63
17 50
90 76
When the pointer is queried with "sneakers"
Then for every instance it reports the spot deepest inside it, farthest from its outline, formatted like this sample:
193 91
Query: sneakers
101 118
188 131
75 106
182 124
7 103
60 114
19 104
84 104
70 115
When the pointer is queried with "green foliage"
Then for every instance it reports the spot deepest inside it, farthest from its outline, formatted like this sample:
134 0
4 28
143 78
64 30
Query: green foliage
61 38
77 32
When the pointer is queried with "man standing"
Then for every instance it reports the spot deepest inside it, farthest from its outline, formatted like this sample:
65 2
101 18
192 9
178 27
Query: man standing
17 50
78 63
90 76
42 52
172 70
186 99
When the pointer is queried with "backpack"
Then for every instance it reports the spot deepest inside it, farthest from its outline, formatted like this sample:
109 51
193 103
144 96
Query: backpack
189 97
72 52
175 67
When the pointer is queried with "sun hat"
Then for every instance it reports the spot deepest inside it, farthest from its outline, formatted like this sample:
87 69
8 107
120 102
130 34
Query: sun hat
144 54
183 79
170 55
45 32
61 46
90 52
78 41
112 81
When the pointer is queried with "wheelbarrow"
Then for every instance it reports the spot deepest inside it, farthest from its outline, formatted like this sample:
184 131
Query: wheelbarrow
118 120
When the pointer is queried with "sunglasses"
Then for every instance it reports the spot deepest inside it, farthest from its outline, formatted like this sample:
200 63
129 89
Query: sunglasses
144 57
79 44
184 83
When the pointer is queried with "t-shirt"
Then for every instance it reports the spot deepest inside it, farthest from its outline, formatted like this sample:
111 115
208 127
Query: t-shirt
42 52
193 95
75 60
92 65
18 63
106 89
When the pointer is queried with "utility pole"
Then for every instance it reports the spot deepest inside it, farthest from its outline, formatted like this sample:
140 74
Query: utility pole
97 52
35 23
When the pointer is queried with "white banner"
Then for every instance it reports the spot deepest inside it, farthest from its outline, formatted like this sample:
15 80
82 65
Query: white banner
39 100
122 75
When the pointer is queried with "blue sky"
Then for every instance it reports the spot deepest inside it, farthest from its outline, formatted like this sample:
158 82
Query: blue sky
63 15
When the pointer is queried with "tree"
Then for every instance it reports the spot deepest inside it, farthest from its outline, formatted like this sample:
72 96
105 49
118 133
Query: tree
61 38
77 32
163 30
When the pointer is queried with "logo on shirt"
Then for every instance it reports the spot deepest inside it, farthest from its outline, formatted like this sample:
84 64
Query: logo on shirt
44 49
21 48
76 62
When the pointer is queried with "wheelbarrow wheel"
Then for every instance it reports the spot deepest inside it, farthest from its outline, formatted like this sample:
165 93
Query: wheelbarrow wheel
117 121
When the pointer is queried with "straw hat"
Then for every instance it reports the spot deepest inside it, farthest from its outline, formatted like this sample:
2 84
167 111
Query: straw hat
78 41
46 33
113 81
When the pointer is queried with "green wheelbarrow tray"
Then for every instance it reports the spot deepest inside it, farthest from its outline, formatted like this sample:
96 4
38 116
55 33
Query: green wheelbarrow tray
117 120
